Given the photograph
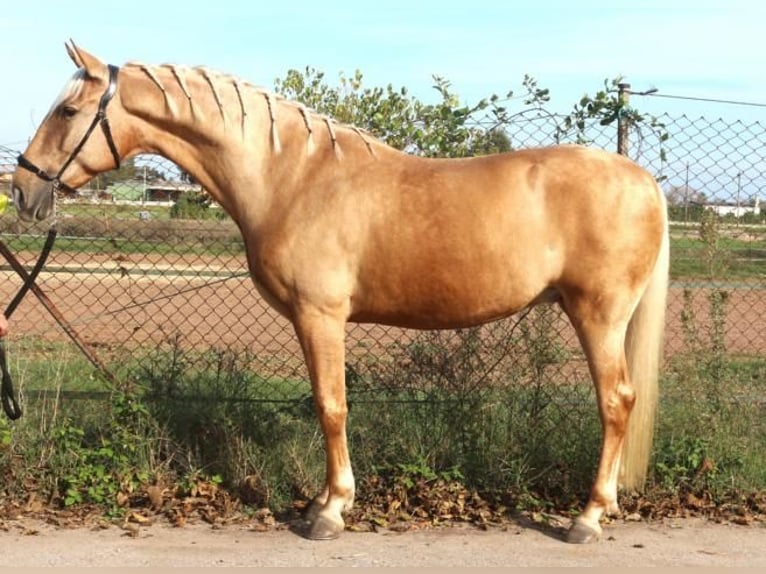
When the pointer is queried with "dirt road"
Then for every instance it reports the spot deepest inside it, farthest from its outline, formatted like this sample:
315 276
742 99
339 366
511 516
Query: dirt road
688 542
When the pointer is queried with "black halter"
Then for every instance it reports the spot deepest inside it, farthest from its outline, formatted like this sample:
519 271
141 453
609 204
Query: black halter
99 119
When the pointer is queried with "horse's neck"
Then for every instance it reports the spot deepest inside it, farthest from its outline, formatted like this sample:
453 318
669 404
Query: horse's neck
203 121
228 134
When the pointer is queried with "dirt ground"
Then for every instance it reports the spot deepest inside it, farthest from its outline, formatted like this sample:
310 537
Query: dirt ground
150 298
683 542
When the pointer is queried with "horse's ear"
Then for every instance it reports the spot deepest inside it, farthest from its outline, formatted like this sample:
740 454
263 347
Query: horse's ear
71 49
93 66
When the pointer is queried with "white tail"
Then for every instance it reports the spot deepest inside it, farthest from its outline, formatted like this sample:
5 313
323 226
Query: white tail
643 349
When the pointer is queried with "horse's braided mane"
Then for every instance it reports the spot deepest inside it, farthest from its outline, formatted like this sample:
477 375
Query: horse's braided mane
217 82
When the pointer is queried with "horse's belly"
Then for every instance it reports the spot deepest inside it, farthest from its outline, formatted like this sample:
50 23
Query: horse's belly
424 305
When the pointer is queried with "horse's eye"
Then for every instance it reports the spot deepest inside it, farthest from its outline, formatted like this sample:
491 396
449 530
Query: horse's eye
68 111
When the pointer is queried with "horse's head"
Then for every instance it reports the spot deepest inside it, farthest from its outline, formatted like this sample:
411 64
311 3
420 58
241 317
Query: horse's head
74 141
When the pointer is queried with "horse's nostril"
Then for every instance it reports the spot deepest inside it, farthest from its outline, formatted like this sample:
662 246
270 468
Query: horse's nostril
19 202
18 196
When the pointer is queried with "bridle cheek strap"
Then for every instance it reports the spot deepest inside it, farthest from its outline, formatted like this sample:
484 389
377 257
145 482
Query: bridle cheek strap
99 119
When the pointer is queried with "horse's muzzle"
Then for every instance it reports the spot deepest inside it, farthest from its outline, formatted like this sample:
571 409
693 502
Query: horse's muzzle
33 207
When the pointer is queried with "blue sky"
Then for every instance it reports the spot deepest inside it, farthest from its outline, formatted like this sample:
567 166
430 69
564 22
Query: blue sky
684 47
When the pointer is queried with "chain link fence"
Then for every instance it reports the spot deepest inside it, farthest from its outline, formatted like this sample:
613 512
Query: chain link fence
145 270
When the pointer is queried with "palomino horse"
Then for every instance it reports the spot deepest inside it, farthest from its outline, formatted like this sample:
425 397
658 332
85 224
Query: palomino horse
340 227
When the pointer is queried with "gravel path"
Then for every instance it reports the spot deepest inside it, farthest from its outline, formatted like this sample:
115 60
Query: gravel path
688 542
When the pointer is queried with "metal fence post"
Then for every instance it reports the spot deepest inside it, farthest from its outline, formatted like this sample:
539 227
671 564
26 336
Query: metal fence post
623 94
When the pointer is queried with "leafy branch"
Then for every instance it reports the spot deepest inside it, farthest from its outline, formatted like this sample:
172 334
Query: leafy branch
607 106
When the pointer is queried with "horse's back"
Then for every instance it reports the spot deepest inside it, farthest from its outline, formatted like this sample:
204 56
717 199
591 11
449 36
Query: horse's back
470 240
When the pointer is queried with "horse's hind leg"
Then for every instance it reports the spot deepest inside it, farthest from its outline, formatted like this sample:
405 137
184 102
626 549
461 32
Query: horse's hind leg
322 338
601 328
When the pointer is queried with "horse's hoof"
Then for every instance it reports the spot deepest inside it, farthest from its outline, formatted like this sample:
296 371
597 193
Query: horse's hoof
582 533
312 512
322 528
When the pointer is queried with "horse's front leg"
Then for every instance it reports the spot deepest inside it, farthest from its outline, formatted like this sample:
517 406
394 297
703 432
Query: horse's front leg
321 336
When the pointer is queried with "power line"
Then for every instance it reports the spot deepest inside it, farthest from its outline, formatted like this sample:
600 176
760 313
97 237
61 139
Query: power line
697 99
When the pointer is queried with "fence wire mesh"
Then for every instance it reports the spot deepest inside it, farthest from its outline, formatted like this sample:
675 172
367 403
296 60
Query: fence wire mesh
146 271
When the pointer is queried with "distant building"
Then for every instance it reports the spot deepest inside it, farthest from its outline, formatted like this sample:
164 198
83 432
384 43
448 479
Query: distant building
168 192
134 190
735 210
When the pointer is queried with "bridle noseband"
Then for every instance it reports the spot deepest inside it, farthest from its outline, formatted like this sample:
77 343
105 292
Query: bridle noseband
101 119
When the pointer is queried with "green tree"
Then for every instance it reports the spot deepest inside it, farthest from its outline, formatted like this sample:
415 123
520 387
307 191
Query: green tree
450 128
445 128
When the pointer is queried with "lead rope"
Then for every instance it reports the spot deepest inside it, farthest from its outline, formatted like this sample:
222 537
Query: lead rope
7 392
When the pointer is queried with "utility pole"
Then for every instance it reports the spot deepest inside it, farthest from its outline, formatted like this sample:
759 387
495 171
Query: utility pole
623 93
686 195
738 212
